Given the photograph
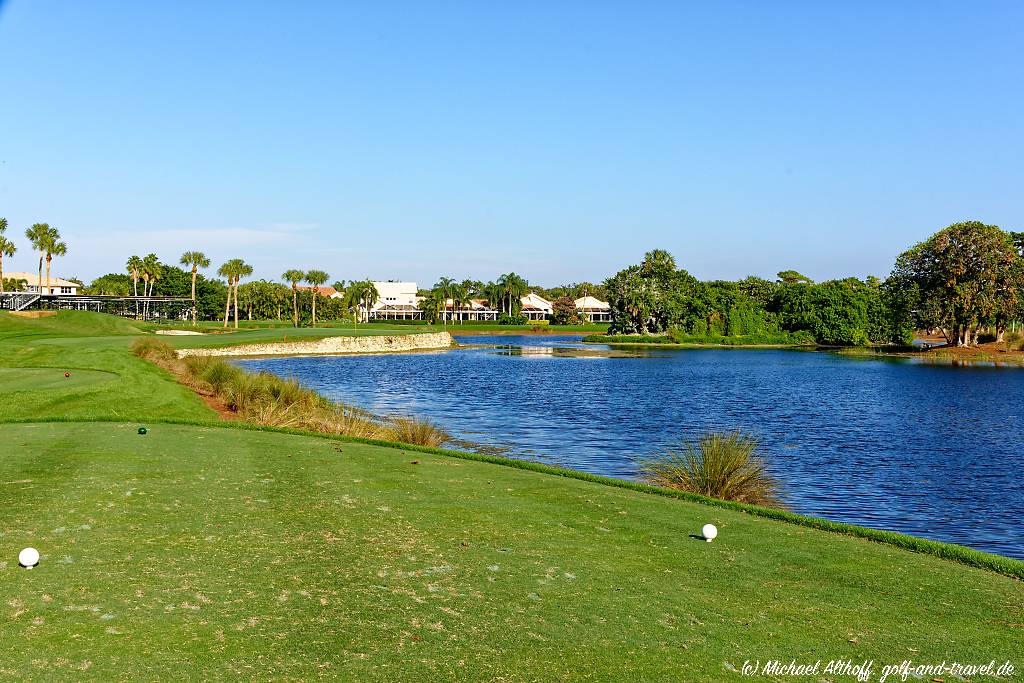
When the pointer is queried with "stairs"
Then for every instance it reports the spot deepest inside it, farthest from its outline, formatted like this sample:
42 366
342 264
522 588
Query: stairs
17 301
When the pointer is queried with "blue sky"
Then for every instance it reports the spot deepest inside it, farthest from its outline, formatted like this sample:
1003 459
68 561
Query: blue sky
560 140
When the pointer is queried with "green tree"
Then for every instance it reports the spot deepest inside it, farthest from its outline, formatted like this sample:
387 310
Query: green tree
231 271
445 289
461 297
316 278
563 311
7 248
46 241
294 276
512 289
134 267
791 277
196 260
961 278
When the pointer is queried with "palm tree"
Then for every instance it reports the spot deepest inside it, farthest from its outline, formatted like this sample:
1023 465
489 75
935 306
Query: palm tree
460 298
444 289
513 288
294 276
46 241
151 272
370 296
227 271
37 235
134 267
316 278
197 260
244 270
7 248
354 299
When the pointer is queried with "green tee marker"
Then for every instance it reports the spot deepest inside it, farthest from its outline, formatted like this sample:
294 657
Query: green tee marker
142 430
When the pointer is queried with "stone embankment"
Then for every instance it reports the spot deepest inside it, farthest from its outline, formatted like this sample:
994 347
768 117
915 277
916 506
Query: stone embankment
332 345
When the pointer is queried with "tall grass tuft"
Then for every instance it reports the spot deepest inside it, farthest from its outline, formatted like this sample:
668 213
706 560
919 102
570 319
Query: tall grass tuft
418 431
155 350
723 465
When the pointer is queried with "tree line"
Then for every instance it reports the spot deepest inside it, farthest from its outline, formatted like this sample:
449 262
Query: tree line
964 282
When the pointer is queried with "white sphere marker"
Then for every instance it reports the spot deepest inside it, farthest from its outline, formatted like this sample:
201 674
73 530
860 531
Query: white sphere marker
28 558
709 531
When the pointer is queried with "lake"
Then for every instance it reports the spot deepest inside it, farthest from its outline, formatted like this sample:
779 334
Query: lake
891 443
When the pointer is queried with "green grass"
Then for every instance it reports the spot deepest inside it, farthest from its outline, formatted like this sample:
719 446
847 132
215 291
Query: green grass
242 553
223 552
782 339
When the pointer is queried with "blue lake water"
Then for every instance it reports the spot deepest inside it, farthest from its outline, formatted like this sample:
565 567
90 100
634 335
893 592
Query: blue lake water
930 450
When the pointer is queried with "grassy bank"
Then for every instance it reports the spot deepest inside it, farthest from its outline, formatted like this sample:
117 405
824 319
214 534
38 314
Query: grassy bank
780 340
201 551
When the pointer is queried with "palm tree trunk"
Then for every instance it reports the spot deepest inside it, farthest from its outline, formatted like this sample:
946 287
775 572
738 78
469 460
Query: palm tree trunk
227 304
295 305
236 303
39 284
194 314
314 305
48 259
1 273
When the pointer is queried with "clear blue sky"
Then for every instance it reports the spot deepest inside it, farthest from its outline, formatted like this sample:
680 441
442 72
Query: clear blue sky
560 140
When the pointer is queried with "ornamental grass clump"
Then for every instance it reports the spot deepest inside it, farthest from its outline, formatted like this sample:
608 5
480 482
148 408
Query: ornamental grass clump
723 465
418 431
266 399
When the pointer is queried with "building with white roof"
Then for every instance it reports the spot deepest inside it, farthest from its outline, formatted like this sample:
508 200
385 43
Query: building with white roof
58 285
594 310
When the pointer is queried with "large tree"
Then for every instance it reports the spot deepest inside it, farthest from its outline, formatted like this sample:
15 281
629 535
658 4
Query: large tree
294 277
151 271
43 239
316 278
242 269
196 260
962 278
7 248
445 289
512 288
229 270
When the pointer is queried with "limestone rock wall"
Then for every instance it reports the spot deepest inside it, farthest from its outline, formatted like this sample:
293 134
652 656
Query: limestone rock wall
332 345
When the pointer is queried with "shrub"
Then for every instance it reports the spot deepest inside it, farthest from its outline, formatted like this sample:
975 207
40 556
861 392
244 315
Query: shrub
518 319
154 350
719 465
418 432
563 312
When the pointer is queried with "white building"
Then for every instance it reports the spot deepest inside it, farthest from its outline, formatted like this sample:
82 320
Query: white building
397 301
58 286
594 310
536 307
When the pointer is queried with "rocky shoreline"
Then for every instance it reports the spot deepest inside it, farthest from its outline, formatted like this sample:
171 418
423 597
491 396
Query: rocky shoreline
332 346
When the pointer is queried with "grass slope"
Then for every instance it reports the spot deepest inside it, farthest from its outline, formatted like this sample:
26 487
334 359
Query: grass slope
247 553
205 552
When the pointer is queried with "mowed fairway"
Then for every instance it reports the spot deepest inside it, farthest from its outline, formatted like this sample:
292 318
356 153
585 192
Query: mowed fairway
197 553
